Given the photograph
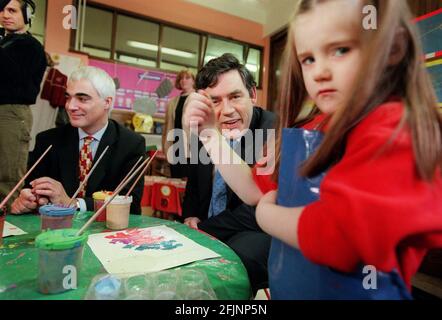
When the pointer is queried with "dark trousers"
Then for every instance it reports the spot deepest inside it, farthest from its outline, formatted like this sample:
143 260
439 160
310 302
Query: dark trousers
239 230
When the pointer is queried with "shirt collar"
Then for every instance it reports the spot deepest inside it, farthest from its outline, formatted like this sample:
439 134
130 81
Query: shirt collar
97 135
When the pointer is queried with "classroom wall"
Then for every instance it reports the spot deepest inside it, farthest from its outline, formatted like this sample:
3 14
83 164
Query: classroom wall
57 39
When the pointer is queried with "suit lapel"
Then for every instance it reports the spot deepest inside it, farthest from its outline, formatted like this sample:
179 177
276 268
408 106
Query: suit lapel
109 138
68 165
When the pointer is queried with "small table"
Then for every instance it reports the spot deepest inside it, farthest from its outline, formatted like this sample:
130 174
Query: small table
19 261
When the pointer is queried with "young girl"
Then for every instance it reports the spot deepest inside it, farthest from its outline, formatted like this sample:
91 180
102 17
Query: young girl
380 202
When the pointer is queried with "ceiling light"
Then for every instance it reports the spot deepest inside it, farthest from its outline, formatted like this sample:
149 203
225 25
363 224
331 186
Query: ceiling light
252 67
152 47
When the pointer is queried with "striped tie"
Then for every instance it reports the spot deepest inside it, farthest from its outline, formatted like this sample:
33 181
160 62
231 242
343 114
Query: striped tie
85 162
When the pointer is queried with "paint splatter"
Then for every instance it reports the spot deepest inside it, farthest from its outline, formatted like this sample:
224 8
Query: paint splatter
21 255
11 287
144 239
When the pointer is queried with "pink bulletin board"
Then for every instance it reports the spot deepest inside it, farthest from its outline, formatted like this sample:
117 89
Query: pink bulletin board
137 83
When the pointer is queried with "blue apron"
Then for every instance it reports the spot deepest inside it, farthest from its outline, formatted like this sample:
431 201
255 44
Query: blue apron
291 276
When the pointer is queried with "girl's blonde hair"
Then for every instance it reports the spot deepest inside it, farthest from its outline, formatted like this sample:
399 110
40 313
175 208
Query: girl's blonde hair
377 82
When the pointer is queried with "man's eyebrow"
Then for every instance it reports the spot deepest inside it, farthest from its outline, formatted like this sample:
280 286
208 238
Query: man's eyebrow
78 94
237 91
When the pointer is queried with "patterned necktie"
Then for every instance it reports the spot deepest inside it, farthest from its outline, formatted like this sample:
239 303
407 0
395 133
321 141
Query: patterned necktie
85 162
218 203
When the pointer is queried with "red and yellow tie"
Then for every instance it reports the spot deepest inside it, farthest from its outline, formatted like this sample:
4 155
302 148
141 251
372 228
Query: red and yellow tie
85 162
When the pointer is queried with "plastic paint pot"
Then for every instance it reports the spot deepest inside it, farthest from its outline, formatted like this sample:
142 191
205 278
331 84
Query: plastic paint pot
117 216
107 288
99 199
60 260
56 217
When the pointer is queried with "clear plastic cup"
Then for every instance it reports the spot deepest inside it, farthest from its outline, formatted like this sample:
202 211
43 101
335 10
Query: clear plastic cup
199 294
139 288
99 199
166 286
56 217
191 280
117 213
60 260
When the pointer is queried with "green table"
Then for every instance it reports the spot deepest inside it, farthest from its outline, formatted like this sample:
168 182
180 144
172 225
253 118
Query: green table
19 261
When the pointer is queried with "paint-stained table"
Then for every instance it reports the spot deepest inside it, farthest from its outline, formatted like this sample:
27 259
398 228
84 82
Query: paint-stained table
19 261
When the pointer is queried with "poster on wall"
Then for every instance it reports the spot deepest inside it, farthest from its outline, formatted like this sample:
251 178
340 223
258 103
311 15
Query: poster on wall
430 28
435 70
431 33
138 83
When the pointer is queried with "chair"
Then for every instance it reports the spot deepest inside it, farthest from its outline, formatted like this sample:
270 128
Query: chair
165 198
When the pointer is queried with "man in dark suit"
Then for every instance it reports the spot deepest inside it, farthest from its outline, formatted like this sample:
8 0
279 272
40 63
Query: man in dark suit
225 103
90 95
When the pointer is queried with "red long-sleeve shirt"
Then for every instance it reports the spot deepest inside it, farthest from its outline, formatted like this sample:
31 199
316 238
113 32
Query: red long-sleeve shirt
373 207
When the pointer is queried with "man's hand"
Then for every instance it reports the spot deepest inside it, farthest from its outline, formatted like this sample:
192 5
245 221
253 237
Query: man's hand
26 202
192 222
50 188
198 112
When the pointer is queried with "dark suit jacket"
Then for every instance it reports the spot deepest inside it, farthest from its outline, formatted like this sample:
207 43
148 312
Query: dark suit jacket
61 163
200 179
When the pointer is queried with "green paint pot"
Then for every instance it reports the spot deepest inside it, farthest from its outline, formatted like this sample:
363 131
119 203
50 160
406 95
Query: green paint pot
60 260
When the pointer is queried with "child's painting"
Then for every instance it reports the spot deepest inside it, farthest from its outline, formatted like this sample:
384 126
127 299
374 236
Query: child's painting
435 70
11 230
146 250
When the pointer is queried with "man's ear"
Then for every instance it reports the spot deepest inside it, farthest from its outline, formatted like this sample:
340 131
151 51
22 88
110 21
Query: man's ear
253 95
399 48
108 103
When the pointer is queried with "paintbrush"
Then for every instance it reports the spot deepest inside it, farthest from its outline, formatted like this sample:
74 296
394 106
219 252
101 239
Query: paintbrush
5 200
87 177
115 193
130 172
141 174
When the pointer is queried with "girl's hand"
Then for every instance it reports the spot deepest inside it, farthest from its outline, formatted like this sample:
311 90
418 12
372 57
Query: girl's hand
278 221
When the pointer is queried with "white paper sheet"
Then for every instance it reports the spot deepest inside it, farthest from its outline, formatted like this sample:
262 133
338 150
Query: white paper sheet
11 230
146 250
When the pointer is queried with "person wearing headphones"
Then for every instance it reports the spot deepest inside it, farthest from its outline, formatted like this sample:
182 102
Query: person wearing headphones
22 65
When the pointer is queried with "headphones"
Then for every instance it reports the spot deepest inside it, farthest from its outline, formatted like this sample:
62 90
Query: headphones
28 10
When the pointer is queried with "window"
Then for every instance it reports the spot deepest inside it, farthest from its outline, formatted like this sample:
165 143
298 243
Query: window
217 47
121 36
253 63
136 41
98 33
39 23
180 50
